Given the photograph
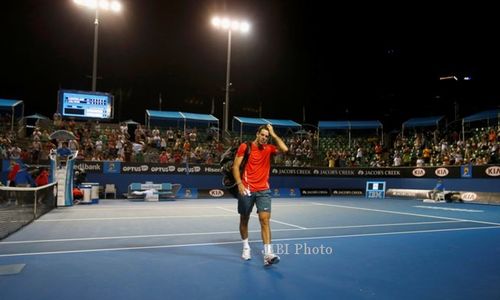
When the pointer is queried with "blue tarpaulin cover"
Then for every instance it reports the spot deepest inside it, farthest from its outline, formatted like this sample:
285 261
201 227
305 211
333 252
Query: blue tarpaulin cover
422 122
349 124
484 115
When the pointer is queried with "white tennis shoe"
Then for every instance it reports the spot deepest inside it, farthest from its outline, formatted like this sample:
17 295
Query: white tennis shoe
271 259
246 254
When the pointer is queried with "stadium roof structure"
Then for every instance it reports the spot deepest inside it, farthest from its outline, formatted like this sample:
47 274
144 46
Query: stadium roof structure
177 117
327 125
484 115
16 107
261 121
9 103
130 122
37 117
421 122
245 122
350 125
481 116
32 121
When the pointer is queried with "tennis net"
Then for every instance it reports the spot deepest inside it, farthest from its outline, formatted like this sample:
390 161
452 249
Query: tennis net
19 206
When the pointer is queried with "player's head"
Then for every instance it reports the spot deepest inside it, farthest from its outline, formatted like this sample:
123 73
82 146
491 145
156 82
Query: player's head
262 136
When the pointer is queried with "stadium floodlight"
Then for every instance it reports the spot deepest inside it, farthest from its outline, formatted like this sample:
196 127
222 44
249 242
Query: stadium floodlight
448 78
114 6
229 25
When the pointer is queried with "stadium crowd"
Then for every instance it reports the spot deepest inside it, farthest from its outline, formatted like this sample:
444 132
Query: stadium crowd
97 141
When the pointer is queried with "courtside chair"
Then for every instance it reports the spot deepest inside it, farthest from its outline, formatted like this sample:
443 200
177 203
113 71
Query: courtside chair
110 189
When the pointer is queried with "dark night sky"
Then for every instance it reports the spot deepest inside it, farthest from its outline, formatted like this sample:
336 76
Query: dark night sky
299 53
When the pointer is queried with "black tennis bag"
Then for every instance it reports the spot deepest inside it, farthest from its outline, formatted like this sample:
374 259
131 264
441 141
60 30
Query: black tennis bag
226 163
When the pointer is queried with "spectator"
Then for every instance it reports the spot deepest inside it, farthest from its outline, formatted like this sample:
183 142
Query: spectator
23 178
15 151
397 160
123 128
420 162
37 134
14 169
64 151
438 189
42 178
35 153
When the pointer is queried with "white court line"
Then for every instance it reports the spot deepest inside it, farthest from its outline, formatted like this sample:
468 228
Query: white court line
384 225
16 221
272 220
46 218
408 214
218 232
292 205
132 218
239 242
448 208
170 207
284 223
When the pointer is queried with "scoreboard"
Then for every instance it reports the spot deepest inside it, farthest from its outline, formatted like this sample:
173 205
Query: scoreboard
375 189
85 105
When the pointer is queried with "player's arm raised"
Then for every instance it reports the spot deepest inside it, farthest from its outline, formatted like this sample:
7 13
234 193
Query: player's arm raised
281 145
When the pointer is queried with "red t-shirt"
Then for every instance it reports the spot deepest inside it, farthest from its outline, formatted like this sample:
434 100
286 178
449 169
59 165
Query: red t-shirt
255 177
42 178
13 172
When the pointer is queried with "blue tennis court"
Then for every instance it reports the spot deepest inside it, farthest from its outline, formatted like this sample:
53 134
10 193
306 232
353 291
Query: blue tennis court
342 248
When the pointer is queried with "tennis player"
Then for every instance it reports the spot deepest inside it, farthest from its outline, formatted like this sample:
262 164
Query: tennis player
253 188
